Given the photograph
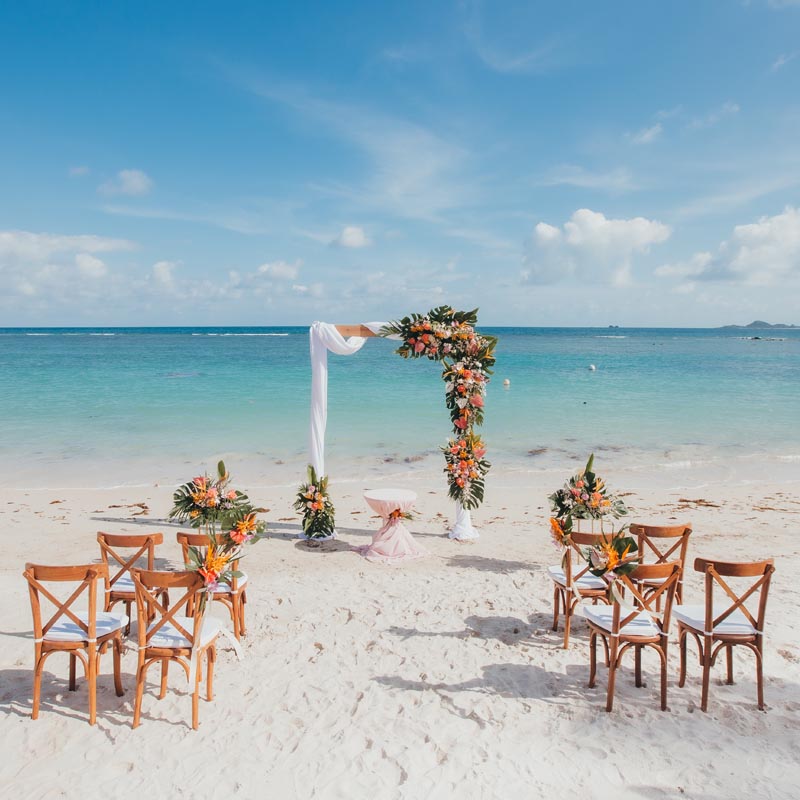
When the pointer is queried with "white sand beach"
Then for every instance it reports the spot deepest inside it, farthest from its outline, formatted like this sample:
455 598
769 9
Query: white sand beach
439 678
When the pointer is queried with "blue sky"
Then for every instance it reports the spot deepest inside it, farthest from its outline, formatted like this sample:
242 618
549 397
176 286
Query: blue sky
559 163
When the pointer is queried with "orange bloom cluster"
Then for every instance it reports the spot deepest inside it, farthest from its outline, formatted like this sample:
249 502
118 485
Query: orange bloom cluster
244 529
214 565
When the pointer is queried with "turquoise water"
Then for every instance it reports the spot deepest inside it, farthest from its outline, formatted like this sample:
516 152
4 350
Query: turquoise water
99 402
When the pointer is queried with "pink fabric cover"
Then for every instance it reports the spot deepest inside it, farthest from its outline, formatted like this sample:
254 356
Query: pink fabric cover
393 543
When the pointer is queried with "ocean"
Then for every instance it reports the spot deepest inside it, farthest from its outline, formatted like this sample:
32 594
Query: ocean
115 406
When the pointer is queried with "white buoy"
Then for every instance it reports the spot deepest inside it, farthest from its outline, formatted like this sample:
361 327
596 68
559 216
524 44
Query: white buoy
592 367
506 382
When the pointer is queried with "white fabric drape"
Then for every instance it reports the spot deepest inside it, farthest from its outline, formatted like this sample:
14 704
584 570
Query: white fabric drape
463 527
323 337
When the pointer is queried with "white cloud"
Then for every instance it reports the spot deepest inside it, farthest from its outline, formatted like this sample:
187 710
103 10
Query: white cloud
507 47
647 135
129 182
411 171
590 246
763 253
280 270
352 237
783 59
79 171
90 266
614 181
25 246
313 290
162 272
713 117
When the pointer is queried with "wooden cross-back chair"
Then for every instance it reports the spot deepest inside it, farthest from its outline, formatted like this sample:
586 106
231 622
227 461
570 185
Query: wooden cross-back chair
234 596
717 627
660 544
638 626
166 635
573 583
119 583
83 634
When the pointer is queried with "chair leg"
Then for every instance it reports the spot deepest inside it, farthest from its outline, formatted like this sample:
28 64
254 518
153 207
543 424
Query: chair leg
706 672
556 603
638 660
72 664
137 706
568 609
92 681
729 659
196 692
592 658
118 667
242 604
612 674
235 616
212 657
37 683
164 671
760 677
682 635
662 652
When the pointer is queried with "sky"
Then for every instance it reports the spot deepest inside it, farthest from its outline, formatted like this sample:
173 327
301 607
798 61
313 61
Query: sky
272 163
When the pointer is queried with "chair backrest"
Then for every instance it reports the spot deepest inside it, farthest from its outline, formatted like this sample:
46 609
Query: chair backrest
149 585
674 545
144 544
200 542
573 572
668 573
755 592
85 576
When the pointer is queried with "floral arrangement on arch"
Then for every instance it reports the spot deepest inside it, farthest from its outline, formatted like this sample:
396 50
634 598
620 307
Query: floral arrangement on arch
450 337
228 519
315 505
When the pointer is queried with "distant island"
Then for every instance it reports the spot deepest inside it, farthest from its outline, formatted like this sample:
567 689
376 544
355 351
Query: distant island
761 325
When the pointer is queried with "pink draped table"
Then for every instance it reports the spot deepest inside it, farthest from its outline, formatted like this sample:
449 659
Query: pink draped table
393 543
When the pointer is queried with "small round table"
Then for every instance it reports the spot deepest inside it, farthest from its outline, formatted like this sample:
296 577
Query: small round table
393 543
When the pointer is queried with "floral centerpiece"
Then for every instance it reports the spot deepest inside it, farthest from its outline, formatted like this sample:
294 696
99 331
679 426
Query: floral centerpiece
228 519
586 496
467 357
315 504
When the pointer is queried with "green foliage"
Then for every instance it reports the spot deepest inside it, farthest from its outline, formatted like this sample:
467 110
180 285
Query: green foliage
316 506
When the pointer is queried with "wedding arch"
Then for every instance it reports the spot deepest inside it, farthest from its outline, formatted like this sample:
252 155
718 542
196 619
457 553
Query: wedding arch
442 335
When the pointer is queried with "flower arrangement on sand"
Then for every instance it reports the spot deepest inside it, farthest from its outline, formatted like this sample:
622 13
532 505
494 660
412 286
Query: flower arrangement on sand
586 496
315 505
467 357
228 519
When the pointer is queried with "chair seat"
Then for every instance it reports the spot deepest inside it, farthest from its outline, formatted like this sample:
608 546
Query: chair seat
735 624
124 584
65 630
586 581
170 637
223 588
641 625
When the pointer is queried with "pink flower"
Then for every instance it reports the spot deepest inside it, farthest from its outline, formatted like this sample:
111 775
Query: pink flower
419 347
212 492
476 400
461 423
238 536
231 494
454 450
480 452
199 481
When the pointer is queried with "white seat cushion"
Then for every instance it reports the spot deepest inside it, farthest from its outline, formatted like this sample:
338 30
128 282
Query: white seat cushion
169 636
641 625
65 630
124 584
586 581
223 588
695 617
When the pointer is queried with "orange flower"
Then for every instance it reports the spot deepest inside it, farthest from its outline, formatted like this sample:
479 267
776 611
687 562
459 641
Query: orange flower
556 531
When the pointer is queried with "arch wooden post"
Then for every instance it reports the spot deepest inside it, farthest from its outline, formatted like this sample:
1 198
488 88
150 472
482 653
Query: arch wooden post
355 330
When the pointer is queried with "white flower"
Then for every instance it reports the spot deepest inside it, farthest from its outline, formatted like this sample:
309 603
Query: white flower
461 402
